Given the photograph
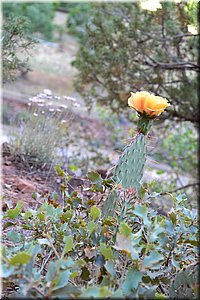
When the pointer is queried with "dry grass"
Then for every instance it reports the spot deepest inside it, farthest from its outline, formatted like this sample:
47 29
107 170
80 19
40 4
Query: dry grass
40 131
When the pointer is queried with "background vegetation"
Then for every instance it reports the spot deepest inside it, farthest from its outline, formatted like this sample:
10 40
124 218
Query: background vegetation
38 15
125 48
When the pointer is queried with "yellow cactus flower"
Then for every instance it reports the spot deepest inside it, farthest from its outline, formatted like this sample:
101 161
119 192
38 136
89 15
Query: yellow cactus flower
145 102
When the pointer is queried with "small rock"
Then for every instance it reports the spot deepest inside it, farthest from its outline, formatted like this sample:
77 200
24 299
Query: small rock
7 163
25 186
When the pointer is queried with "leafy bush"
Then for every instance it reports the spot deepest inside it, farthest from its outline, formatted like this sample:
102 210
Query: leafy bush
73 251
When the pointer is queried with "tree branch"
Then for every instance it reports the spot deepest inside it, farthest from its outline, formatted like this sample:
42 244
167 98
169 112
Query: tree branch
173 66
181 188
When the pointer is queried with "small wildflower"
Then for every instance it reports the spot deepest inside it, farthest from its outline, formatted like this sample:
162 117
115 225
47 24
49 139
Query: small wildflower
72 99
63 121
69 98
76 104
57 97
47 92
64 106
51 109
41 95
35 114
33 99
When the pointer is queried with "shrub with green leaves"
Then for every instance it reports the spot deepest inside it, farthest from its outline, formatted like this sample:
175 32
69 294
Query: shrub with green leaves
71 251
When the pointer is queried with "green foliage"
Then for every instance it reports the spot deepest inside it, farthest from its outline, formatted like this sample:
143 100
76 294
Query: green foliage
180 148
69 245
184 285
15 46
125 48
191 9
95 212
21 258
38 15
79 14
14 213
97 181
60 257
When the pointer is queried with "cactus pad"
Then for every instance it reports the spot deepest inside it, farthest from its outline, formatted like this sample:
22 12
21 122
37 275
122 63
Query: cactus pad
110 204
129 170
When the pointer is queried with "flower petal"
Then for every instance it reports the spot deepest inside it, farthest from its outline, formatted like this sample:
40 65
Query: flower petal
148 103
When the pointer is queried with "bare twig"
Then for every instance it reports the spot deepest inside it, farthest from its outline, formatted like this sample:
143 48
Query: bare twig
49 239
45 262
180 188
39 291
123 272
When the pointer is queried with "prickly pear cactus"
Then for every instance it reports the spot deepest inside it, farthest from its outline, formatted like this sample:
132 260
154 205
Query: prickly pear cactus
185 284
129 170
110 204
